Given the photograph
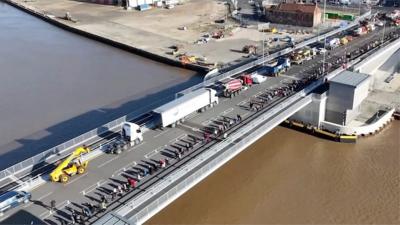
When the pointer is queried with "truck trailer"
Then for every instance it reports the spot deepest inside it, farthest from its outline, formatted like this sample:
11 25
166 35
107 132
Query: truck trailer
175 111
276 67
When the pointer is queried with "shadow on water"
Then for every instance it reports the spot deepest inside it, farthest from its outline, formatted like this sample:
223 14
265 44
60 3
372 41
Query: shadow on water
71 128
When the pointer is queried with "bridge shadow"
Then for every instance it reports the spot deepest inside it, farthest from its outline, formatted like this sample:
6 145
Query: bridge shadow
43 140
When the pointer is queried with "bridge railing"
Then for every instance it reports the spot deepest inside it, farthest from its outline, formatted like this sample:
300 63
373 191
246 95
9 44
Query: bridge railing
62 150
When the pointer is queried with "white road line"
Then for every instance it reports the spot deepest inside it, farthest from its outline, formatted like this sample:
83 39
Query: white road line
92 187
205 123
136 146
227 111
123 169
192 128
244 115
38 199
58 207
79 177
107 162
163 132
150 154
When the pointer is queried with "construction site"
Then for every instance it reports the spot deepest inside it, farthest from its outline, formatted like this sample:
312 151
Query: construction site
206 33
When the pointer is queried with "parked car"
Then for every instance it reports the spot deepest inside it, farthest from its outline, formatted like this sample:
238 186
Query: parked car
257 78
12 199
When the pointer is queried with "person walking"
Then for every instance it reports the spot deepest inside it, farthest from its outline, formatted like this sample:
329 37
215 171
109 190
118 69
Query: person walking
132 182
72 218
113 194
52 206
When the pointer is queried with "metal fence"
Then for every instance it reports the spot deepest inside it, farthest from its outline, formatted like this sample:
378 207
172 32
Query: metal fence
61 151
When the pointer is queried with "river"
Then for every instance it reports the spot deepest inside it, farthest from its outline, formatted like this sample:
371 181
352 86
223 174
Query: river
55 85
289 177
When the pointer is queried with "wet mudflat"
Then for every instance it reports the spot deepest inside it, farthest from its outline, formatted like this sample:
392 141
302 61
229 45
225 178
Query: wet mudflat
55 85
292 178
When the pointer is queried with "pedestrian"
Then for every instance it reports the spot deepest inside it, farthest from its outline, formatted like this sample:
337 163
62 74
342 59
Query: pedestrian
125 187
103 206
72 218
113 194
120 191
166 162
190 145
132 182
52 206
162 163
239 117
139 177
187 147
151 170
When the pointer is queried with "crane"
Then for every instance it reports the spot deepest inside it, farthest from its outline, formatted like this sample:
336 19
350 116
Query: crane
70 166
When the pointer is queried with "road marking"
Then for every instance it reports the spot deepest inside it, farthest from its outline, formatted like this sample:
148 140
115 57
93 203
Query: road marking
242 103
107 162
192 128
154 152
161 133
247 113
227 111
38 199
79 177
177 139
92 187
59 207
205 123
123 169
136 146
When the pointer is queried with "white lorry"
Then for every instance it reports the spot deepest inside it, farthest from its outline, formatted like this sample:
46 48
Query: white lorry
175 111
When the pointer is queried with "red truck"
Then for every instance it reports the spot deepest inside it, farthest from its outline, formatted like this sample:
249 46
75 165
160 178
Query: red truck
232 86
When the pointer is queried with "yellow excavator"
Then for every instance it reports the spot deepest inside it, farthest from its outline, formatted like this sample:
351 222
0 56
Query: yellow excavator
70 166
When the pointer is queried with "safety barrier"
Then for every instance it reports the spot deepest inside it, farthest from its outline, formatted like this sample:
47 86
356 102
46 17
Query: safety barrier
61 151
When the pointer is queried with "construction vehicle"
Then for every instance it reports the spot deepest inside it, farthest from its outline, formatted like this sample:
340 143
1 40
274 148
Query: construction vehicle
275 67
344 41
185 59
297 58
249 49
231 87
70 166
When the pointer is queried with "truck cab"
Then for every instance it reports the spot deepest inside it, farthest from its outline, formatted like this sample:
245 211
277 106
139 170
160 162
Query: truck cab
131 133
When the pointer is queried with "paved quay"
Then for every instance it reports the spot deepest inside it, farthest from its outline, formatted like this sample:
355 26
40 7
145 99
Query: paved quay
106 171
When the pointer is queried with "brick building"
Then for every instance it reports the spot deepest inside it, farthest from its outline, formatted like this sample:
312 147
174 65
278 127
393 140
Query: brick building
306 15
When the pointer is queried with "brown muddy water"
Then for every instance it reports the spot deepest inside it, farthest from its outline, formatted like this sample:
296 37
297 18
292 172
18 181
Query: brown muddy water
55 85
289 177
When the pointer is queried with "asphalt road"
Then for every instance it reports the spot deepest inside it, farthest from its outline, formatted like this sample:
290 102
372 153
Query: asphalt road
106 171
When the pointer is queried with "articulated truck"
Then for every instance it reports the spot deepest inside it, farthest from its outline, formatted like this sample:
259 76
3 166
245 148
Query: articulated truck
175 111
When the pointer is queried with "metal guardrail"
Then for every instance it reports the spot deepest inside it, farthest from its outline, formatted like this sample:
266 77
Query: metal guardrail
272 56
62 150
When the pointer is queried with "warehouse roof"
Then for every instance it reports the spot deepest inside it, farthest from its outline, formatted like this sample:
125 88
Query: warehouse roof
294 7
350 78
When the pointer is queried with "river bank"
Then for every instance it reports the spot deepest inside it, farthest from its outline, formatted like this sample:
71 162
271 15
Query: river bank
107 38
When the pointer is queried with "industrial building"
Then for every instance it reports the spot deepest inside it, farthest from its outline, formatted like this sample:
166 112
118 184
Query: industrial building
337 102
306 15
346 92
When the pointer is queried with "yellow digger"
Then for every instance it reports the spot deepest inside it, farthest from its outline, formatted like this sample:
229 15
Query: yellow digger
70 166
